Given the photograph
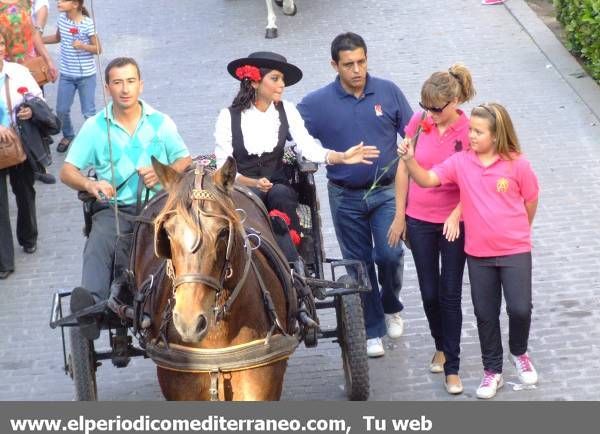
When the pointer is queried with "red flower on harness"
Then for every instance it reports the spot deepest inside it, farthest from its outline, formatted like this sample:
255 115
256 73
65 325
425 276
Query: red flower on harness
22 90
295 237
74 30
281 215
426 125
250 72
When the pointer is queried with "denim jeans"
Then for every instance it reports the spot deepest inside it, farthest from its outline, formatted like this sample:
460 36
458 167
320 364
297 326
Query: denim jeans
490 277
67 86
361 225
441 289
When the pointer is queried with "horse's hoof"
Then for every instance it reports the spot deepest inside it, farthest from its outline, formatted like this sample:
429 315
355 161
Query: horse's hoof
271 34
279 3
291 14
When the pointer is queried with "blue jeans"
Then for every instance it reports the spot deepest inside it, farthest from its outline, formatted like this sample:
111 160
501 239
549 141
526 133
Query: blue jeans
361 225
67 86
441 289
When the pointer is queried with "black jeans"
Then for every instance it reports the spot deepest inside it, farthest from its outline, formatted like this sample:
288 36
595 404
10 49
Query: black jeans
441 288
490 277
21 181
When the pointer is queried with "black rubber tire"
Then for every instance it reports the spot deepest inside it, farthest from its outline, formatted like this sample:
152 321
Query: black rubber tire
82 366
353 343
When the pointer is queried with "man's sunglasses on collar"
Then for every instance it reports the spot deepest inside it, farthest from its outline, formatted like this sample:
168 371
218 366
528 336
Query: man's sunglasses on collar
434 109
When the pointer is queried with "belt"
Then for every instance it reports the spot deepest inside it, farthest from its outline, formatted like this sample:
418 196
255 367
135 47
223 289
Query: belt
380 183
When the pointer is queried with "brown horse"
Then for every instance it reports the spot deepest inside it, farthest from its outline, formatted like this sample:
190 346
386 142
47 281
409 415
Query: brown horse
213 335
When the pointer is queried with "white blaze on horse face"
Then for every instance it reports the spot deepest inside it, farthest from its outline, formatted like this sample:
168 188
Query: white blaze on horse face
189 238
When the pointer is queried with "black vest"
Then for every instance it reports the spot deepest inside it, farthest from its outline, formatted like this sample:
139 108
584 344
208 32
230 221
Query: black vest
269 165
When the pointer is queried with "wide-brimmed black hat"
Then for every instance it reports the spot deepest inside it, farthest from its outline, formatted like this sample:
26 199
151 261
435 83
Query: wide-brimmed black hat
266 59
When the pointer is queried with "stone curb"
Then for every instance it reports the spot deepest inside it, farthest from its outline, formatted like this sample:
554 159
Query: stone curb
558 56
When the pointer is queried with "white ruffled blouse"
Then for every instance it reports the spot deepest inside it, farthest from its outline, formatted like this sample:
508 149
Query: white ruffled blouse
261 133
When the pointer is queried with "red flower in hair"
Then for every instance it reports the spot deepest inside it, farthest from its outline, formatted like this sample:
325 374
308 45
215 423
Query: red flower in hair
426 125
74 30
22 90
247 71
281 215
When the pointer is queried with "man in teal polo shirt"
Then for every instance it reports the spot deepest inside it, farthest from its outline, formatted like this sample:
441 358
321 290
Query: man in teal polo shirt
137 133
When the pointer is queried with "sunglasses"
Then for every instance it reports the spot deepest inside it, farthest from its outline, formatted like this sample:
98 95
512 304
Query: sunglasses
434 109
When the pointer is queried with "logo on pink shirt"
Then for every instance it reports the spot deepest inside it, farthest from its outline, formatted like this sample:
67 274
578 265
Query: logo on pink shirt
502 185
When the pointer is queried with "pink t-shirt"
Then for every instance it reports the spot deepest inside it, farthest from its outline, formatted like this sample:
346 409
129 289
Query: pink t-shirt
493 202
435 204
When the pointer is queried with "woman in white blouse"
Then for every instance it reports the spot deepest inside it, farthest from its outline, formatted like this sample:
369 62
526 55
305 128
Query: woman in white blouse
254 130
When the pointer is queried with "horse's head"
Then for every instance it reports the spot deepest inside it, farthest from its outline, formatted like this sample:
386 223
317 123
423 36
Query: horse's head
200 233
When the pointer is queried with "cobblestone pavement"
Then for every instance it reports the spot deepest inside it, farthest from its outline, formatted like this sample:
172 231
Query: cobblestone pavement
183 51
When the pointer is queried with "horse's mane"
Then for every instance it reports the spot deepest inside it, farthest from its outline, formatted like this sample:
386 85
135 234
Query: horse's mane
179 201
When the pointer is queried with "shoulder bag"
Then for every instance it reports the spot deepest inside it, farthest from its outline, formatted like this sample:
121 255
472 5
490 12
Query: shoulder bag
11 152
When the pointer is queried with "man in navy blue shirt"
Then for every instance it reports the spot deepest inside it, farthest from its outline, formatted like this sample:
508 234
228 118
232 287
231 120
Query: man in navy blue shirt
357 107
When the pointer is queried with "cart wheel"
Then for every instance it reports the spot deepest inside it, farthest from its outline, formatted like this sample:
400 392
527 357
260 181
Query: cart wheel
82 366
353 342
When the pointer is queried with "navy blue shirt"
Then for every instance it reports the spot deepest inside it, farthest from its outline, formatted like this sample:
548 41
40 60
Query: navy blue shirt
340 120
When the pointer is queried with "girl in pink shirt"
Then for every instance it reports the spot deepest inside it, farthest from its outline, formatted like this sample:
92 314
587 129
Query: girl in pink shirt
499 196
433 215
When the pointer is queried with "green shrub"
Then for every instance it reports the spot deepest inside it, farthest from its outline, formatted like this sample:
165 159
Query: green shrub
581 20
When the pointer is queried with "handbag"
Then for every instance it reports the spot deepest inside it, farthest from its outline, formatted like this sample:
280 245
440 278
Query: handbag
11 152
39 69
414 140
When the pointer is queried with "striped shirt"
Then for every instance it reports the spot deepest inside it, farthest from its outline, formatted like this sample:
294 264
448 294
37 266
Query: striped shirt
76 63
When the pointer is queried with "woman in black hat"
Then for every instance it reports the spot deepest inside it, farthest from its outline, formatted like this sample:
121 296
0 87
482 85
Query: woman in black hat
254 130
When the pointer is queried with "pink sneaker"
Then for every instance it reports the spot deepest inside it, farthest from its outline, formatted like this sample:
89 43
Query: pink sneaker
525 370
492 2
490 383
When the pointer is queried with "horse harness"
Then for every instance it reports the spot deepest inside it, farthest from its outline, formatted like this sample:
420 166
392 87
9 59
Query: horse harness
261 352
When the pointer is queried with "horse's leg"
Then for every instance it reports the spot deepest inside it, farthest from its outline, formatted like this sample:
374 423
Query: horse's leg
289 7
271 26
259 384
183 386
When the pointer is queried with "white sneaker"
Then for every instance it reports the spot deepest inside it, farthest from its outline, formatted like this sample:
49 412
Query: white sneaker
394 324
525 370
375 347
491 382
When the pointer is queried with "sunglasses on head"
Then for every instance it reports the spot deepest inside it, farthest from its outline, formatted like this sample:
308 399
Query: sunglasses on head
434 109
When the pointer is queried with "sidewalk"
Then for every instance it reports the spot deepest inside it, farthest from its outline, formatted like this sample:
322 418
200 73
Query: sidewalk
183 55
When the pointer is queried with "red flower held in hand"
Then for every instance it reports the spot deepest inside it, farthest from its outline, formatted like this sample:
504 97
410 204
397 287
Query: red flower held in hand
74 30
426 125
22 90
247 71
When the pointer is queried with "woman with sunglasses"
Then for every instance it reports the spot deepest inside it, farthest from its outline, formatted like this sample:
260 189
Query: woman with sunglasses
432 223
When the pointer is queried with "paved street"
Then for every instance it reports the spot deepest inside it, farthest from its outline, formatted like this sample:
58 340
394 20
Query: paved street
183 50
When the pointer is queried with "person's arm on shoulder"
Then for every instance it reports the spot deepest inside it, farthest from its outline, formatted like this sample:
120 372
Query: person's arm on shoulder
397 230
307 145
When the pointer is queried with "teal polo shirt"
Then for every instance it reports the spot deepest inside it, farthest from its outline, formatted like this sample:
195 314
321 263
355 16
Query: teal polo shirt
155 136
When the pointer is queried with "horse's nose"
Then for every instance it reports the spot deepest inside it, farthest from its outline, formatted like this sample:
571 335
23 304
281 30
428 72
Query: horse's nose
191 331
202 325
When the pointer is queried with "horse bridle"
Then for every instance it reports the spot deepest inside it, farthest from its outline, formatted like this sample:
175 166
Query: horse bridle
198 196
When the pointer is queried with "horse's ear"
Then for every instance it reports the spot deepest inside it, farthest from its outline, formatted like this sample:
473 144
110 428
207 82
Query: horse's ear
162 245
166 174
225 176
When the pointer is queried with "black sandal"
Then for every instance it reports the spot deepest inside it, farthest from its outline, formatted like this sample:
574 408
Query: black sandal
63 145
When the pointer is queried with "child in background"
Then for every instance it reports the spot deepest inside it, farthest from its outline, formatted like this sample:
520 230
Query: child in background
499 197
78 44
